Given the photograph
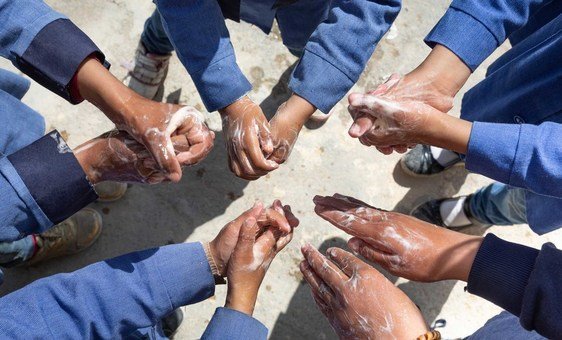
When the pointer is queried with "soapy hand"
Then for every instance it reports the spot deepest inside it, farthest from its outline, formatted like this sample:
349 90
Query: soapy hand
358 301
275 216
248 139
259 241
402 244
393 124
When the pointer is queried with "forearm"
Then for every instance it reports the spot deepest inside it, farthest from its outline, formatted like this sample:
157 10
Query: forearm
99 87
447 132
444 70
110 299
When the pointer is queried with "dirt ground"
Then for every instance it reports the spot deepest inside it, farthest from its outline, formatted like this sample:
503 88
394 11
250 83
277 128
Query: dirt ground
323 162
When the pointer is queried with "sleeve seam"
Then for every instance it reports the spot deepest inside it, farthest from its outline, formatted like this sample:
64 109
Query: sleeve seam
331 64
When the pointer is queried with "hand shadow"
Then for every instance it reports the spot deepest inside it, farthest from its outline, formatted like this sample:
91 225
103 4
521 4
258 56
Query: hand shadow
149 216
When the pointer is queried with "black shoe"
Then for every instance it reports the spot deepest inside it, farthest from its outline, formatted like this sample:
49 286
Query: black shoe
420 162
430 212
171 322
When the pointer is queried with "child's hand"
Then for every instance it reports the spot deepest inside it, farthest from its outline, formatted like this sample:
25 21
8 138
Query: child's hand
275 216
258 244
404 245
287 124
248 139
359 302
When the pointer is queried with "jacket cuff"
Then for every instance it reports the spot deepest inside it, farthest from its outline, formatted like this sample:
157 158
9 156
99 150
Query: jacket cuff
319 81
221 83
492 148
185 273
54 177
465 36
501 271
54 55
231 324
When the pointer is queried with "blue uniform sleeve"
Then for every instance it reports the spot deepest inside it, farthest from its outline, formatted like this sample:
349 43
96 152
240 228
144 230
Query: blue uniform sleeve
110 299
524 156
522 280
231 324
44 44
473 29
199 35
339 49
40 185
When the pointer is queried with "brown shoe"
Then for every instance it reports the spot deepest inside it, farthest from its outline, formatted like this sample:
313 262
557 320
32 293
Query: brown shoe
110 191
71 236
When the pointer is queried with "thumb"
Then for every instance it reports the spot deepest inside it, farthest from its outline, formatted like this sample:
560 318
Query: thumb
247 236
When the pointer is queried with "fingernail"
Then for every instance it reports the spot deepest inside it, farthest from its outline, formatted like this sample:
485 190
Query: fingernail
354 246
332 252
317 199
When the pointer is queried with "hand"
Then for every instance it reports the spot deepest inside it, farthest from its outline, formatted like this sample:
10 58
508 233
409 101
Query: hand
402 244
257 246
434 82
248 139
359 302
287 124
116 156
150 123
276 216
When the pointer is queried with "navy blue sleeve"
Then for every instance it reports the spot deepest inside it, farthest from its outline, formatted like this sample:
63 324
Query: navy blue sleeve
44 44
522 280
55 54
54 178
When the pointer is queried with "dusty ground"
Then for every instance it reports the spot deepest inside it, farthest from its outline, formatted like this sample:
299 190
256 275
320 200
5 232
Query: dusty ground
323 162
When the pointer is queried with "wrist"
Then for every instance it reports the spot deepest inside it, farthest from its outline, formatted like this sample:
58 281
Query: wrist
448 132
237 106
443 69
463 255
241 302
300 109
88 156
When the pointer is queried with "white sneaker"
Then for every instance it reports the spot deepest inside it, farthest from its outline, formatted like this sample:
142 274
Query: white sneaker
148 73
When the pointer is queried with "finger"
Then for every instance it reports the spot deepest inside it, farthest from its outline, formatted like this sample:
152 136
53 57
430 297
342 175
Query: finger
271 217
195 154
267 241
347 262
373 254
373 104
291 218
353 200
247 236
265 139
255 153
325 269
162 150
319 289
385 150
253 212
400 148
361 123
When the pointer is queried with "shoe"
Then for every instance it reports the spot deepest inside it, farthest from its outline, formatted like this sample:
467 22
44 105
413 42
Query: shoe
420 162
110 191
171 322
451 213
149 72
71 236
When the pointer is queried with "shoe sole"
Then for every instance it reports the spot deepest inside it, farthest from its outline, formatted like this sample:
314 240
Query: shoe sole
414 174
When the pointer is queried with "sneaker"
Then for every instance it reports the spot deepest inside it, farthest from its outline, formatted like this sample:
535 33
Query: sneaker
420 161
110 191
71 236
148 73
452 213
171 322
